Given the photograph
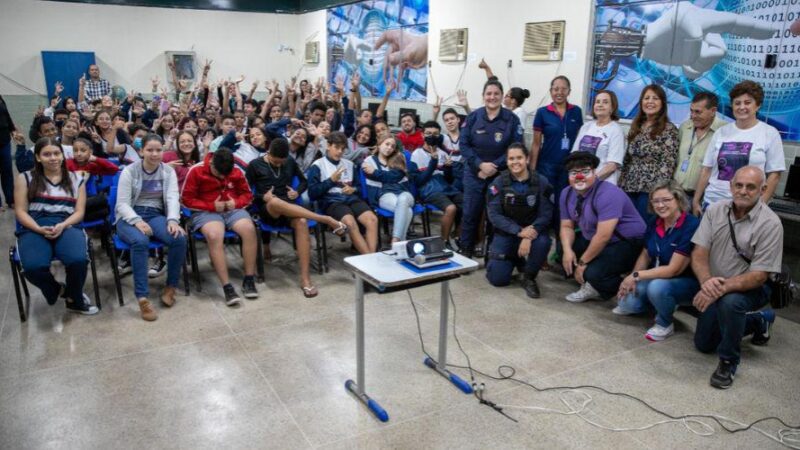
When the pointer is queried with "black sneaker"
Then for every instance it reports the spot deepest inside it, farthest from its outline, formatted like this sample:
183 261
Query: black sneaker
449 246
124 264
83 307
157 269
231 296
531 287
722 378
249 287
762 336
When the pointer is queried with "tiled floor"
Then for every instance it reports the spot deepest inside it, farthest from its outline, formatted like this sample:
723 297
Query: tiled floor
271 373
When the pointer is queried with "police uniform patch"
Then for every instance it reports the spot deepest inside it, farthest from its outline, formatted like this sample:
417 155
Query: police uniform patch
493 189
498 137
531 200
520 130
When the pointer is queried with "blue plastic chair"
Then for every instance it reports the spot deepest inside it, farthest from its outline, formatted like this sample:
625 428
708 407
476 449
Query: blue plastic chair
197 236
120 245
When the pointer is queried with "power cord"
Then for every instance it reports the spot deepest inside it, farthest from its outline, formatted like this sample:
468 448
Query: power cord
788 436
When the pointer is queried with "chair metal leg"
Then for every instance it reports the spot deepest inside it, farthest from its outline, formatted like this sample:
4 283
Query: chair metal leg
259 257
15 275
318 250
90 250
112 256
193 257
185 269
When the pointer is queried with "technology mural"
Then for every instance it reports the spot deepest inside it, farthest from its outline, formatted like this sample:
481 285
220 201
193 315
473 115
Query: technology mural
385 42
690 46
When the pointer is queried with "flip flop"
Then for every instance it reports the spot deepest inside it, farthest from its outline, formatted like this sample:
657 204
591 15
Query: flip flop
310 291
340 230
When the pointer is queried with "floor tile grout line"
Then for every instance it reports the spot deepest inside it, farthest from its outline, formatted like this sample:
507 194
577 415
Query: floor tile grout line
111 358
5 312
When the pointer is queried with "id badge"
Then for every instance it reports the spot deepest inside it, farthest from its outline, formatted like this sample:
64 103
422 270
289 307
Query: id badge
565 143
685 165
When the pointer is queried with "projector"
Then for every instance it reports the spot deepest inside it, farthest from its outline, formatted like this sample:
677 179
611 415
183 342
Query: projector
424 252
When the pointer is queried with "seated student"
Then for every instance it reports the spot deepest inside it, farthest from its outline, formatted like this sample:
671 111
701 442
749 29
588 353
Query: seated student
227 124
187 155
302 148
389 184
50 229
662 275
611 230
409 135
84 161
42 127
148 206
360 145
248 148
217 196
330 182
521 211
738 245
275 199
434 187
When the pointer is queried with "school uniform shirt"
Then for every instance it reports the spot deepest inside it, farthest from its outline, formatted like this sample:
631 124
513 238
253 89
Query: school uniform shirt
386 180
607 142
692 152
451 147
661 243
327 191
733 148
432 175
558 132
54 200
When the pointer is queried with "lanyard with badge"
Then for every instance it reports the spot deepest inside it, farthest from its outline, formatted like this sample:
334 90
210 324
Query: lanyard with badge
564 139
692 144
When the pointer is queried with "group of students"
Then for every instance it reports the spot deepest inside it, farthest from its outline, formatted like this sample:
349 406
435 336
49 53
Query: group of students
623 208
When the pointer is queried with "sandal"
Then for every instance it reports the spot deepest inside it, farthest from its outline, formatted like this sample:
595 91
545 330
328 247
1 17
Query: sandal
341 230
310 291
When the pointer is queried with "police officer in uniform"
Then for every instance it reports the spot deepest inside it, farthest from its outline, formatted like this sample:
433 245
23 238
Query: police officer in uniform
487 133
521 211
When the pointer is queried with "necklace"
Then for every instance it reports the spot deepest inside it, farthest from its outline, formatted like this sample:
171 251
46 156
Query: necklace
276 175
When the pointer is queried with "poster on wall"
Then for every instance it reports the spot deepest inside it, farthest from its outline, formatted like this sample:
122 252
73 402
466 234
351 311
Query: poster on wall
700 45
385 42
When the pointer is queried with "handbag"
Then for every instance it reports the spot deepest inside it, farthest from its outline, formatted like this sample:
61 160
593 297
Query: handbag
781 286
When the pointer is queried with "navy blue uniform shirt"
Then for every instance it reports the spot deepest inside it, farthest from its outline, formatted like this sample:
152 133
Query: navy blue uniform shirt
484 140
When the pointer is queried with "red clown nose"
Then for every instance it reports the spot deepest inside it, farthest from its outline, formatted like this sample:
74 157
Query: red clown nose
579 177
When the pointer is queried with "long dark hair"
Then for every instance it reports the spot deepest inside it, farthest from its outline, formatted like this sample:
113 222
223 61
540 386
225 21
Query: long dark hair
641 117
194 157
37 174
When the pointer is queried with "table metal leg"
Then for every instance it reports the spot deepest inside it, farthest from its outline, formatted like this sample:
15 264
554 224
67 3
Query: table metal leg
358 387
441 365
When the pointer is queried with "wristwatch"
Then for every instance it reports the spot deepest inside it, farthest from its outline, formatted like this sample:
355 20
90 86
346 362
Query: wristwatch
635 276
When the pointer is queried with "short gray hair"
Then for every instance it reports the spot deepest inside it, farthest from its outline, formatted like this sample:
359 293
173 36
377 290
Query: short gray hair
675 189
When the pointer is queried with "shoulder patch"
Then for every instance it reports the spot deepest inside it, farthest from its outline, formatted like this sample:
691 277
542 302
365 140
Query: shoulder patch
493 190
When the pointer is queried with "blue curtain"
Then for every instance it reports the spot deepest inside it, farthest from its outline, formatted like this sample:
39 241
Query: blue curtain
66 67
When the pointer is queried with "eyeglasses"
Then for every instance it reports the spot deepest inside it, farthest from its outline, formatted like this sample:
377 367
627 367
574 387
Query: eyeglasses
661 201
584 172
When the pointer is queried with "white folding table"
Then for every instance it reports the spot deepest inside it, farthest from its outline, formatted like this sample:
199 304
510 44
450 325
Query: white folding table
389 275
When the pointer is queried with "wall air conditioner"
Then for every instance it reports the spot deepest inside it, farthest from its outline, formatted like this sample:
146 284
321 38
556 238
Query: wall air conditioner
544 41
453 45
312 52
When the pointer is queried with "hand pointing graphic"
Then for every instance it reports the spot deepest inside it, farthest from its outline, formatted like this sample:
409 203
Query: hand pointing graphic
692 37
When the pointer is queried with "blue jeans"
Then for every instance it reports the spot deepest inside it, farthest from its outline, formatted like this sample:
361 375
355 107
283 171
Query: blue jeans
139 248
401 205
36 253
723 325
7 174
665 294
503 258
641 200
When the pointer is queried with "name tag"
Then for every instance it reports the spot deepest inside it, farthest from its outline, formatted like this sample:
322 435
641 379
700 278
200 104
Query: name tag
565 143
685 165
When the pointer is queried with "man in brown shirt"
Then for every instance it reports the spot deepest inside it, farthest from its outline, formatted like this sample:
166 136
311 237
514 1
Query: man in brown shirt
738 245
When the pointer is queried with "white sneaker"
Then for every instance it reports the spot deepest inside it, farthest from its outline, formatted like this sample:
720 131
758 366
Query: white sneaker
158 267
659 333
622 311
586 292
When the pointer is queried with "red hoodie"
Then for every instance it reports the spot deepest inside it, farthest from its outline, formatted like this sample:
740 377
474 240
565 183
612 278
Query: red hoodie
98 167
411 141
202 188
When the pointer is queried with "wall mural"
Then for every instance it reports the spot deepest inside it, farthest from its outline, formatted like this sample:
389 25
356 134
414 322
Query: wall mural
689 46
385 42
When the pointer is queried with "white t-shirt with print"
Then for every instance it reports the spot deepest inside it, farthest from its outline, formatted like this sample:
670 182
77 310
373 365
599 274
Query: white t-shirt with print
732 148
607 142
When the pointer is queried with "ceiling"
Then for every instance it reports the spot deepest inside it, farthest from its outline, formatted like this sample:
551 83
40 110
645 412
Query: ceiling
260 6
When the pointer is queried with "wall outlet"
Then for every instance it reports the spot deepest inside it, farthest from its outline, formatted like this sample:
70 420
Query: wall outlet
509 63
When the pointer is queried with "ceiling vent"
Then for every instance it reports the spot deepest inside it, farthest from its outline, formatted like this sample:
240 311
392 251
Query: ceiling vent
544 41
312 52
453 45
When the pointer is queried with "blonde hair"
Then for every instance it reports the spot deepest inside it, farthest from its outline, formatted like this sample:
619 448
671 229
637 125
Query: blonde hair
396 160
675 189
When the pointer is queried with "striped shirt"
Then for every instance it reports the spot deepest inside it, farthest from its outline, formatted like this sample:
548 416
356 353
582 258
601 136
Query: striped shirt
54 200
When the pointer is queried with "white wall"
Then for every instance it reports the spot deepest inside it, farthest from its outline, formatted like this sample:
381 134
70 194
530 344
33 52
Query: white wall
129 42
496 30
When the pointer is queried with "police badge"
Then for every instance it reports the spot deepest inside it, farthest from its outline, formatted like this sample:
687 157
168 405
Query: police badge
531 200
498 137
